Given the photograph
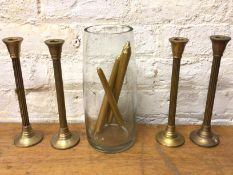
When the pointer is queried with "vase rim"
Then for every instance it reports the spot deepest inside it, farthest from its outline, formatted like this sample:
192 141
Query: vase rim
107 29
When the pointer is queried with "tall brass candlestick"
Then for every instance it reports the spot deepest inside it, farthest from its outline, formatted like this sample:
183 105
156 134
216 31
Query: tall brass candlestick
170 137
28 137
64 139
204 136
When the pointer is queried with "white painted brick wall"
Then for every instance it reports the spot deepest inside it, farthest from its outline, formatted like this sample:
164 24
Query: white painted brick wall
153 21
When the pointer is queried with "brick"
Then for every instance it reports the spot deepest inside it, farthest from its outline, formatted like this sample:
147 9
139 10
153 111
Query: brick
9 106
74 104
152 102
19 10
42 105
180 12
145 39
199 44
85 10
34 72
147 71
7 81
72 70
35 35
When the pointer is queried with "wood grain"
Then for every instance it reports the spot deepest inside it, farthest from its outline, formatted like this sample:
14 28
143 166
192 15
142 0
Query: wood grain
145 157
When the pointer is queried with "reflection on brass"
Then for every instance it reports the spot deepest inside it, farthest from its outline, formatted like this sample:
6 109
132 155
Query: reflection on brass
28 137
64 139
204 136
110 97
109 109
170 137
105 105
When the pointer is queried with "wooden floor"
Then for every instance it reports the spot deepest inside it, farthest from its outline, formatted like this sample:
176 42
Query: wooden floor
145 157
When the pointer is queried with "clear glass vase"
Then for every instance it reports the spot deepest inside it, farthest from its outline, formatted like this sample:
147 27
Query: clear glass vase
109 89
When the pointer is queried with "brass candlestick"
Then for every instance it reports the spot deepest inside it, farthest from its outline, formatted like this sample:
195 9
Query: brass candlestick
28 137
170 137
204 136
64 139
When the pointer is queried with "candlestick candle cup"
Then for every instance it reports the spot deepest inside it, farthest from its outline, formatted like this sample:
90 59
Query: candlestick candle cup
28 137
109 76
64 139
204 136
170 137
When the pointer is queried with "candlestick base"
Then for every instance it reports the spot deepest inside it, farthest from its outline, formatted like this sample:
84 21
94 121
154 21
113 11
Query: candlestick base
170 137
204 137
28 137
65 139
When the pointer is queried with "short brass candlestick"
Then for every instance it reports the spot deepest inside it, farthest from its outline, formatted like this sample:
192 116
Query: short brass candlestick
28 137
64 139
204 136
170 137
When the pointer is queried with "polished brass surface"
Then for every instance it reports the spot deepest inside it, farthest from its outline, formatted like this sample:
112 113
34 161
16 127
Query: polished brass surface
27 137
64 139
55 48
13 45
170 137
204 136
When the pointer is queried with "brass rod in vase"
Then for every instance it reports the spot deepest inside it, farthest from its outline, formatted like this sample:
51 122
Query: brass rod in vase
110 97
104 109
64 139
170 137
28 137
204 136
123 64
115 83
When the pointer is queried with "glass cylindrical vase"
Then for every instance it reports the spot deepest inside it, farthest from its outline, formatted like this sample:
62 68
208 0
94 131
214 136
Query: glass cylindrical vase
109 88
